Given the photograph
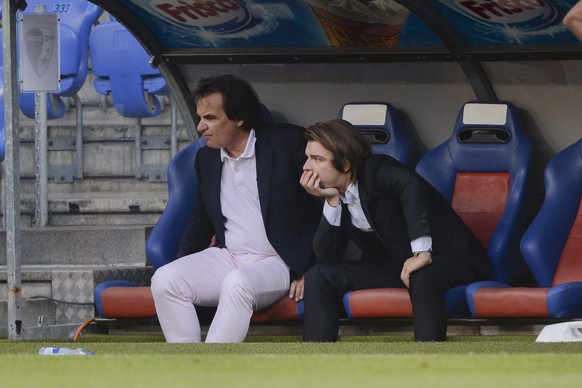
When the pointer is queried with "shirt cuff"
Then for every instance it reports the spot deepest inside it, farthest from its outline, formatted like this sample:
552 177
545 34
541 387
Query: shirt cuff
421 244
332 214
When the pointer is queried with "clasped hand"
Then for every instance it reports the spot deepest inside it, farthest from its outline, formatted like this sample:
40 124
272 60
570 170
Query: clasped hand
414 263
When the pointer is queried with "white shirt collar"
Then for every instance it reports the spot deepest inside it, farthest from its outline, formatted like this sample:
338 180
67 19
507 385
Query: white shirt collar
249 151
352 194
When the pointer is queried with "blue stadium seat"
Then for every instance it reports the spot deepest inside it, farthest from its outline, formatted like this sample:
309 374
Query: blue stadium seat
122 68
76 20
379 124
482 171
164 239
552 249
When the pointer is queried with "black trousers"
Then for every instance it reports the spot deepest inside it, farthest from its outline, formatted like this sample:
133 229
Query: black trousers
325 285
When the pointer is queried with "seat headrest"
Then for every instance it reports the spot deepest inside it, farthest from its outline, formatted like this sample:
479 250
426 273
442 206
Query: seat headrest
489 128
370 119
378 123
485 113
365 114
484 123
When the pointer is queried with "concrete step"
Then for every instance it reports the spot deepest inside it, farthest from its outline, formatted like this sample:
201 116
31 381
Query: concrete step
27 220
99 186
101 219
97 201
152 202
74 245
127 201
100 159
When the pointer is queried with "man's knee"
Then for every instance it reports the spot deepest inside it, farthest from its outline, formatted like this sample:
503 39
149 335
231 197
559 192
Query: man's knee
161 279
325 278
426 280
318 274
237 284
313 273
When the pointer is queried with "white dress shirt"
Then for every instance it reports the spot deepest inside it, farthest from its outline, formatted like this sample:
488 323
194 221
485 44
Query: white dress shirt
239 197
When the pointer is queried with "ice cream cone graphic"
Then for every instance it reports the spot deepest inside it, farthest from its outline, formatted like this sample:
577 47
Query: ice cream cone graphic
352 23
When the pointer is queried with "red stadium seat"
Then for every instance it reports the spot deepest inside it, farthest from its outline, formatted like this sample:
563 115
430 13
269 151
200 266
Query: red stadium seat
551 247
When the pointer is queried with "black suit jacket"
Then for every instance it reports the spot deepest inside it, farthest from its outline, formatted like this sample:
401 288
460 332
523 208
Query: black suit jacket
289 213
400 207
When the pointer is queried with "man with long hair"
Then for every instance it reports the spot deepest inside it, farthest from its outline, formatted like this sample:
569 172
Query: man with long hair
408 234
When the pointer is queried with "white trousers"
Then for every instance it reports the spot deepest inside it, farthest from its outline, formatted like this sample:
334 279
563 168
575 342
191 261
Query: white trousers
236 283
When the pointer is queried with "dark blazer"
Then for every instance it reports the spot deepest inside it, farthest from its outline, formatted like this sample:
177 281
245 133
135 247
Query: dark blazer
290 214
400 207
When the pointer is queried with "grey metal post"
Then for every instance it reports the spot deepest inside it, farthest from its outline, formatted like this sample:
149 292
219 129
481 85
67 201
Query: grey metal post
41 150
174 136
41 159
79 142
2 194
12 168
138 156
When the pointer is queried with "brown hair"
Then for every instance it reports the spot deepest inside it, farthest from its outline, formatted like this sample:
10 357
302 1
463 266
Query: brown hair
239 98
344 141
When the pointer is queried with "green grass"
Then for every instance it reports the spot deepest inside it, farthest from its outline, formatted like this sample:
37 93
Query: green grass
371 361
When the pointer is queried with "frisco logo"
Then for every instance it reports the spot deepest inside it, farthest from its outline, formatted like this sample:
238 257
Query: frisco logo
523 14
219 16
